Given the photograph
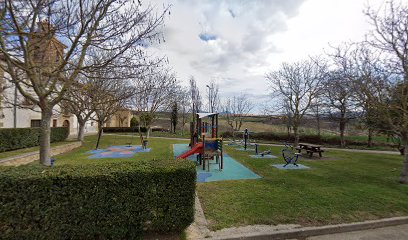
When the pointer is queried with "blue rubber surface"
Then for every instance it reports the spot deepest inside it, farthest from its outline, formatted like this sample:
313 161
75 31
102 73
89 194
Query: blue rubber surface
290 166
233 170
117 152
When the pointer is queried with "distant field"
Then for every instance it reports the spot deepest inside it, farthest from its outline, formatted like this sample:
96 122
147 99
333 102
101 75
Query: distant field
253 124
265 124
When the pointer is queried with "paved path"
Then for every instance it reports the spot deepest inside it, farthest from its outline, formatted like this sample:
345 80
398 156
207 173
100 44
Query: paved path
399 232
343 149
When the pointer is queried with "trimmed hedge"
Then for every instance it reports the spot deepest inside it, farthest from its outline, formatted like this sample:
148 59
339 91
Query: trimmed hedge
123 129
59 134
96 201
160 129
17 138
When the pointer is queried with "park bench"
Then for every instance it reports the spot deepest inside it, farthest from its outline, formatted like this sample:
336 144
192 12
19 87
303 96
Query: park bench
310 149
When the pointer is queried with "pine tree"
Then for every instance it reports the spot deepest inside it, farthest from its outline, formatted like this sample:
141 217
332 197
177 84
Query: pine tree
174 116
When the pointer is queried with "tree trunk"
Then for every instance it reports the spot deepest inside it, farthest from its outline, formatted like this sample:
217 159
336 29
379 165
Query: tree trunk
99 137
148 132
288 128
370 137
296 135
318 120
184 122
45 137
404 171
81 131
342 128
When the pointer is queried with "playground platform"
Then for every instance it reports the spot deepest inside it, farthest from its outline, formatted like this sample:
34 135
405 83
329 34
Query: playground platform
233 170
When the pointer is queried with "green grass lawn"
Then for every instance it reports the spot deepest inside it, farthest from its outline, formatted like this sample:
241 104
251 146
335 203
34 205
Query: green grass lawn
341 187
345 187
161 149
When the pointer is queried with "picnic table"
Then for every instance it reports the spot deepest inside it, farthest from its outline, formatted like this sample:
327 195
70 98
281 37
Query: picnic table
310 149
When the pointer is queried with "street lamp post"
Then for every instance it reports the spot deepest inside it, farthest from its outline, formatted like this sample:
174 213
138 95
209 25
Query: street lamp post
209 98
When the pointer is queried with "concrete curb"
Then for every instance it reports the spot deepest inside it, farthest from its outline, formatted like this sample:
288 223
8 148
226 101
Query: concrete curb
316 231
199 228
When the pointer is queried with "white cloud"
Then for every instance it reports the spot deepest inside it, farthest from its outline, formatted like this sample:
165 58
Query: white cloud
248 38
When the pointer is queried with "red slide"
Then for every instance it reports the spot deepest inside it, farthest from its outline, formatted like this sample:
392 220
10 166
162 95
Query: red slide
196 149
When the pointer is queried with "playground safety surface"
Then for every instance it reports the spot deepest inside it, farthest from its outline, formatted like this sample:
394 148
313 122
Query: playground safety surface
290 166
233 170
117 152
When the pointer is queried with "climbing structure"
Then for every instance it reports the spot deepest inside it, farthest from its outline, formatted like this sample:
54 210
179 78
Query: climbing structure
204 140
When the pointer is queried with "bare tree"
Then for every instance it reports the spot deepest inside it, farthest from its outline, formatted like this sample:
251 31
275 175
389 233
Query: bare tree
297 85
339 104
107 97
195 100
181 96
367 74
155 91
390 35
213 97
78 101
184 102
48 41
316 109
235 110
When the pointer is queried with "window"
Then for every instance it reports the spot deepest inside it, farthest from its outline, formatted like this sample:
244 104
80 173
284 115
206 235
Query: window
54 123
35 123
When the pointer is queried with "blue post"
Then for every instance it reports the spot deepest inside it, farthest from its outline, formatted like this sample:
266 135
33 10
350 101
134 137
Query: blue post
246 135
52 160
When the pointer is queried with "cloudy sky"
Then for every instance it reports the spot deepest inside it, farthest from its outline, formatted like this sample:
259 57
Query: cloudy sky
235 42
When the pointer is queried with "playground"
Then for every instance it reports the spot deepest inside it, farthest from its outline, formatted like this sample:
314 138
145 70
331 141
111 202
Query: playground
233 170
250 189
350 187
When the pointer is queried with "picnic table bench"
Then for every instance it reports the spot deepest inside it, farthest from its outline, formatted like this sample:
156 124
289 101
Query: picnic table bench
310 149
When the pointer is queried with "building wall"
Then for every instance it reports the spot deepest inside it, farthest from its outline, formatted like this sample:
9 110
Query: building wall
47 53
25 116
120 119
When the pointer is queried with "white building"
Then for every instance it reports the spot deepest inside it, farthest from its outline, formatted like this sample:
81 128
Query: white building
18 112
24 114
